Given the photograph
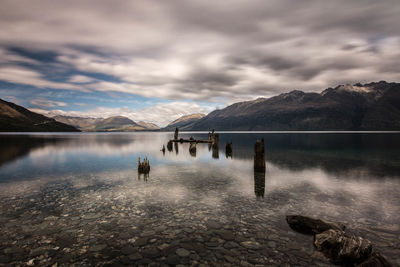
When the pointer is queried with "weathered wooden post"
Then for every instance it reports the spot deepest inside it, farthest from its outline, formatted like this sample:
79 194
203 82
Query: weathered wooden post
192 149
259 156
169 146
176 133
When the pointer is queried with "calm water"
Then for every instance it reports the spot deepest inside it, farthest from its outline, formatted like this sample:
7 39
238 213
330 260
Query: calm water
77 198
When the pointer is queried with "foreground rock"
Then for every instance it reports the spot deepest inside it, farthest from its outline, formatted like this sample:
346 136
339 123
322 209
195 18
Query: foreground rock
343 249
376 260
333 244
310 226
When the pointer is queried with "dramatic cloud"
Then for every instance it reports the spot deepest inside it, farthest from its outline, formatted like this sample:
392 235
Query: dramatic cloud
196 51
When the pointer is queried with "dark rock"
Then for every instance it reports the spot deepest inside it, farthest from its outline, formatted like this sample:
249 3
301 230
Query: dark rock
307 225
173 259
231 244
38 251
127 250
135 257
97 248
4 259
213 225
182 252
144 262
13 250
343 249
141 241
225 234
376 260
151 253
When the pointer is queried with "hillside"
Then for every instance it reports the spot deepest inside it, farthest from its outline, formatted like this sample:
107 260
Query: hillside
373 106
184 122
148 125
14 118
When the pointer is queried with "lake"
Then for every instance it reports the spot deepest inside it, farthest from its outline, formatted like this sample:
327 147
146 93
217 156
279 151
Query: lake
78 198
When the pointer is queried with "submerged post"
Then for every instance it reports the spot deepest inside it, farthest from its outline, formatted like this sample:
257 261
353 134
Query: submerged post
259 156
176 133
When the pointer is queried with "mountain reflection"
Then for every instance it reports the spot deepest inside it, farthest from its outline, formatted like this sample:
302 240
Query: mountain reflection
14 147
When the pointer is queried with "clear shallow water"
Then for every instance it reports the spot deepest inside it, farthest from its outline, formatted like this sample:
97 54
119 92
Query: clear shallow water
77 198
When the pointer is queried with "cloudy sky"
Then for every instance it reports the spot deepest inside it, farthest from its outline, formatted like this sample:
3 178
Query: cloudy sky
157 60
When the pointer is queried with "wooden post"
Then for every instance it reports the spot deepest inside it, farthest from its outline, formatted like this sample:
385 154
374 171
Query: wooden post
176 133
259 156
228 149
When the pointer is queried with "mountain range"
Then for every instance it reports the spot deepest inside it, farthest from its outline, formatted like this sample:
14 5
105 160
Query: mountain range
14 118
371 106
111 124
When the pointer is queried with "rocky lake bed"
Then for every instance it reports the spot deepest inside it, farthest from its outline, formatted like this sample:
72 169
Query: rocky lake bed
201 212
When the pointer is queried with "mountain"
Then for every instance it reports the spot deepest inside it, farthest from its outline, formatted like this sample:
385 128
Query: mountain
14 118
184 122
117 124
148 125
111 124
78 122
372 106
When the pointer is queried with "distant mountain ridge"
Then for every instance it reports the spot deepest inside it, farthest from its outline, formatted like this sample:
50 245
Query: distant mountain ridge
372 106
184 122
111 124
14 118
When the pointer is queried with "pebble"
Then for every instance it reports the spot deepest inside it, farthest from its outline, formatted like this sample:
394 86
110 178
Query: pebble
251 244
97 248
181 252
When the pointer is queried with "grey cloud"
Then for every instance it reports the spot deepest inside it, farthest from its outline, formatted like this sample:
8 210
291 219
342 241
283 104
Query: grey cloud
207 49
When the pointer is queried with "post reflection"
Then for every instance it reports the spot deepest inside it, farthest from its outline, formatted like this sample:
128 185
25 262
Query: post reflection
145 176
215 151
176 148
259 184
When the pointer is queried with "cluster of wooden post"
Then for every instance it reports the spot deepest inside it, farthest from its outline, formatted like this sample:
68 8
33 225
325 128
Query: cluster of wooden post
143 167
